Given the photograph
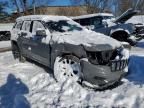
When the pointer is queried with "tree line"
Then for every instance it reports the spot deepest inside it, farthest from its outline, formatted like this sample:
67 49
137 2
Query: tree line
117 7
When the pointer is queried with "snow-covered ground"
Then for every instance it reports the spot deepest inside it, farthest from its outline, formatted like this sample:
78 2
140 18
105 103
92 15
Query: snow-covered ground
6 26
25 85
5 44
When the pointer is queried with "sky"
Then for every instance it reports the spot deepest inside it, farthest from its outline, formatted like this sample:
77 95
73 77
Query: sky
53 3
60 2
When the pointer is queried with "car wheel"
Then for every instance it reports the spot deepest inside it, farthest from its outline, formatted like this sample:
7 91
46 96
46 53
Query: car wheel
17 53
67 69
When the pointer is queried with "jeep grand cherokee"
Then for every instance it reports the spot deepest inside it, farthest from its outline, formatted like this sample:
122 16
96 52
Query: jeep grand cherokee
73 52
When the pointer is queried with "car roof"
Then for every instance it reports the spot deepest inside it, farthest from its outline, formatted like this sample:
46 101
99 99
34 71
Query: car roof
91 15
45 18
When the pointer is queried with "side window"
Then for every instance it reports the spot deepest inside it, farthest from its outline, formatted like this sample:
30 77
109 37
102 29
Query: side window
36 25
26 25
18 25
85 22
97 22
78 21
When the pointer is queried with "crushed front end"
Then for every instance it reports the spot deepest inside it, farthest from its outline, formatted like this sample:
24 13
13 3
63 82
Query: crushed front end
139 31
104 68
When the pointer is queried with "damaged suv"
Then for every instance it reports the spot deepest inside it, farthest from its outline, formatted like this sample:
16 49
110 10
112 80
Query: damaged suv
73 52
105 23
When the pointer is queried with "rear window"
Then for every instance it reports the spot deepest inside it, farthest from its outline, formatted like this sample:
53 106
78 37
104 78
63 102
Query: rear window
26 25
83 22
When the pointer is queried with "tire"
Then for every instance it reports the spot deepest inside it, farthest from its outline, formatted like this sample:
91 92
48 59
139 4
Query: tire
67 69
17 53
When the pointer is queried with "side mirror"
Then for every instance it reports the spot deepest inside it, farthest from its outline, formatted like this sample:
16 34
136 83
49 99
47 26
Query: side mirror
41 32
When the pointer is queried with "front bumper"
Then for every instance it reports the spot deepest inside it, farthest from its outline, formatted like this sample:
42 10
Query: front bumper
100 76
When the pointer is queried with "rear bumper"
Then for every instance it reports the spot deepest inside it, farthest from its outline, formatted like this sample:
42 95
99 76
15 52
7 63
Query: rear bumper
101 76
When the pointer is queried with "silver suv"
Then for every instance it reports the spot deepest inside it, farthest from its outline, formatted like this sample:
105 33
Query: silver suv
73 52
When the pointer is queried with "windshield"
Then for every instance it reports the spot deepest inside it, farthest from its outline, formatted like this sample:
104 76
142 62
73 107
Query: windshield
64 26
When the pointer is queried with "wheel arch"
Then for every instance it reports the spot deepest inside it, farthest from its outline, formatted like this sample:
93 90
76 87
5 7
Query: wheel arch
13 42
64 55
64 50
120 33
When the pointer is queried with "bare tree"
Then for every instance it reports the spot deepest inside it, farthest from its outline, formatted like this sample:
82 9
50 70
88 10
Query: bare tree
140 6
94 6
15 3
20 5
24 5
3 5
123 5
39 3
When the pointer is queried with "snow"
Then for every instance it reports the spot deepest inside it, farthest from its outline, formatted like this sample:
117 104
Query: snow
29 85
25 85
5 44
136 19
6 26
92 15
45 18
87 38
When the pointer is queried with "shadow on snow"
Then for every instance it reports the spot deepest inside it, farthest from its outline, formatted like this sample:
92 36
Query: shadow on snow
12 93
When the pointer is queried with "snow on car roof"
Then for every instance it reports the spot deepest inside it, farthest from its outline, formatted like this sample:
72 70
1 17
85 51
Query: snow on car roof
43 18
92 15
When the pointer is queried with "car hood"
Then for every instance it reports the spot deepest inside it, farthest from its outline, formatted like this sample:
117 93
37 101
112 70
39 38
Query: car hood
91 41
126 15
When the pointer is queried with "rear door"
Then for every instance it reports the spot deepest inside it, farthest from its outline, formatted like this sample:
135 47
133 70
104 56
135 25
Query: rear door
24 38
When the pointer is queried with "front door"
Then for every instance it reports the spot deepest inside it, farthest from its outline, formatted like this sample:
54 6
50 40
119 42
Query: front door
40 44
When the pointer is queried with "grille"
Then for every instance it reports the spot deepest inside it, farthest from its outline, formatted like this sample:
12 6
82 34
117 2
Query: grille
118 65
101 57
